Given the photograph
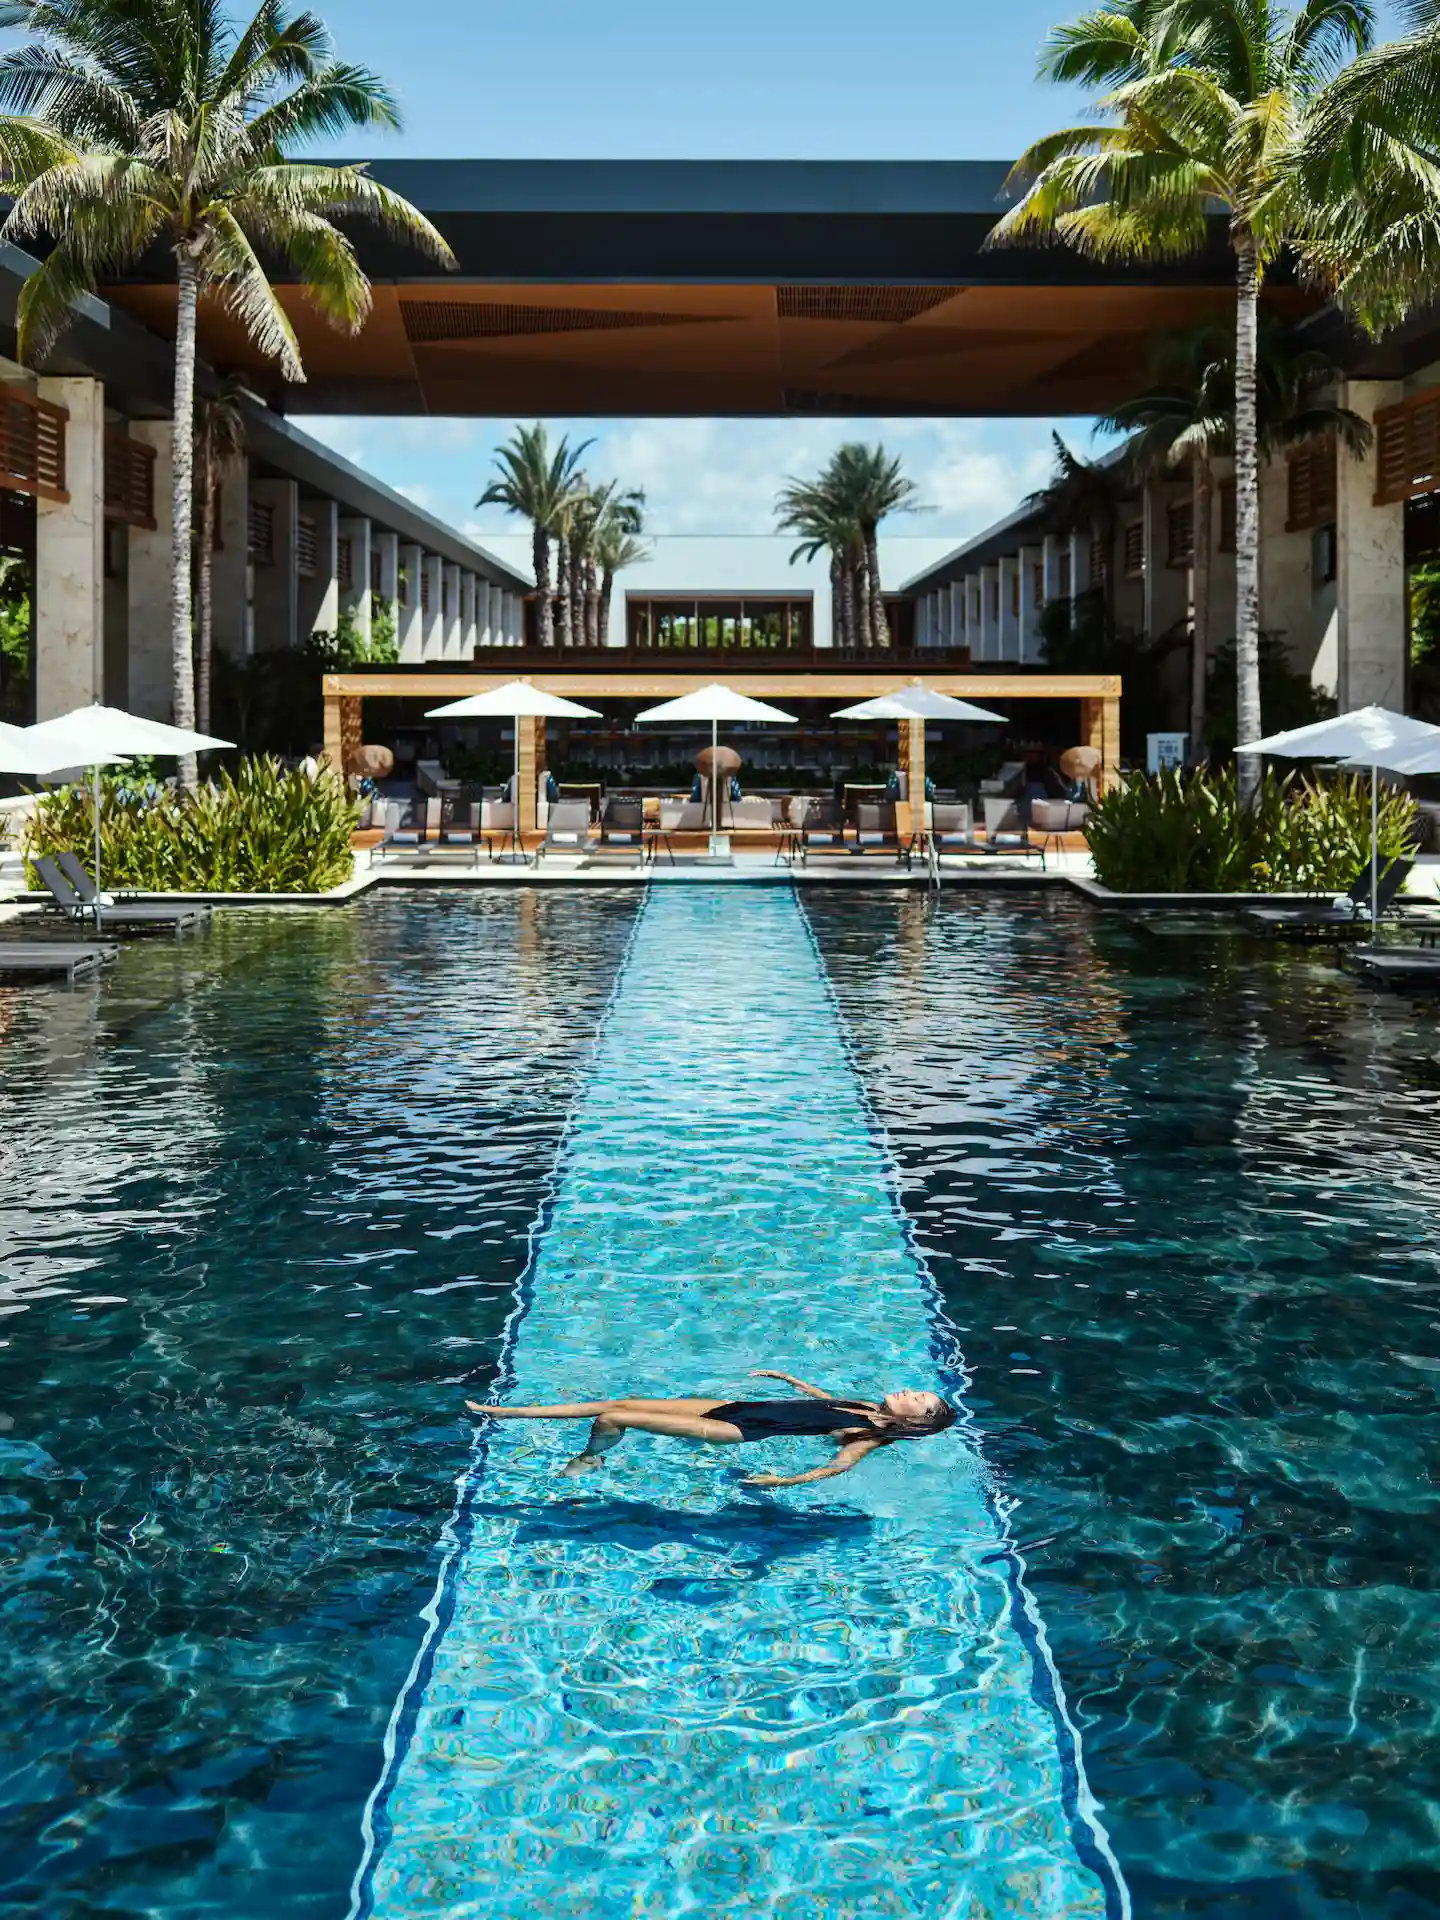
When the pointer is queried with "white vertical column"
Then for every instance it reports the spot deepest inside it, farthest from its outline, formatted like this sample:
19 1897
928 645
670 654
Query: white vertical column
409 625
955 614
432 619
150 676
70 560
1079 564
450 637
386 548
1009 607
469 626
1032 569
1370 589
320 593
989 613
230 563
356 597
482 613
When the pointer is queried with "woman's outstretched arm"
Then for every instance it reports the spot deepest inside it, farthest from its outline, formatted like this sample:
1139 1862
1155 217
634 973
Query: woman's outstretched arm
768 1373
848 1456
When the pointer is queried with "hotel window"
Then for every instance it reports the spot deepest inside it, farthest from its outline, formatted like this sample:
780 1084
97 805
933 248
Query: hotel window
1015 593
730 626
1134 549
345 562
1065 593
1038 582
261 527
424 588
375 574
995 602
1179 533
1099 565
307 548
1324 555
1311 480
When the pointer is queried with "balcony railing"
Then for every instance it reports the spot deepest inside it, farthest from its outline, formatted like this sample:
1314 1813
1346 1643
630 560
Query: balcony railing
32 445
129 480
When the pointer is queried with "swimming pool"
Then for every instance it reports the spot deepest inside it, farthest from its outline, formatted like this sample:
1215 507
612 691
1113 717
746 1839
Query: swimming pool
275 1629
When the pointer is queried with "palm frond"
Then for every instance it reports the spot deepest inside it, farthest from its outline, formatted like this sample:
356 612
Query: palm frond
238 280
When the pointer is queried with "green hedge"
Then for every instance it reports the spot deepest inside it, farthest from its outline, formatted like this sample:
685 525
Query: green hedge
258 830
1188 833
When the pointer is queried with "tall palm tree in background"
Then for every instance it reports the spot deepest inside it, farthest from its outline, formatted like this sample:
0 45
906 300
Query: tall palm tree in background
807 508
1083 496
874 486
1205 105
615 549
603 514
1188 421
219 440
175 127
538 485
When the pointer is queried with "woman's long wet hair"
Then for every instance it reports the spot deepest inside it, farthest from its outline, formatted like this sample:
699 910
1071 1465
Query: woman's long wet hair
918 1429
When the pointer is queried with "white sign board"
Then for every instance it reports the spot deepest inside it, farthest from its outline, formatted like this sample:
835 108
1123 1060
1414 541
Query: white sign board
1165 750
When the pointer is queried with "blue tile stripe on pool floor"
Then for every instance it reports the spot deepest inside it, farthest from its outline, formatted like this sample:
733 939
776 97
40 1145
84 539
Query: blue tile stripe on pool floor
656 1691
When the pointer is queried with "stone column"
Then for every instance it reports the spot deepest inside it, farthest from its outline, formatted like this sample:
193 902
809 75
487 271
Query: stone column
1286 598
432 618
1370 592
357 595
514 620
483 632
150 689
344 719
230 564
409 624
275 590
450 633
1079 564
70 560
1032 598
532 765
319 595
1009 624
469 631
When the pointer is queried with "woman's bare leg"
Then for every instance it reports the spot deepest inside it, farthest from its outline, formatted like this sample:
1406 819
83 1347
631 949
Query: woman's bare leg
615 1422
590 1409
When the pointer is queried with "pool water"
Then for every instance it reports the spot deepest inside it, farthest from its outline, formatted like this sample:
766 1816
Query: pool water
278 1633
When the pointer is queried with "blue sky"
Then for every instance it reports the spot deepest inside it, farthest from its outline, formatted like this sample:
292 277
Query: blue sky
751 79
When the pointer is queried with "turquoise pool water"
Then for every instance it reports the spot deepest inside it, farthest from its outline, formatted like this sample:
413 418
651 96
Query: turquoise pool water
275 1636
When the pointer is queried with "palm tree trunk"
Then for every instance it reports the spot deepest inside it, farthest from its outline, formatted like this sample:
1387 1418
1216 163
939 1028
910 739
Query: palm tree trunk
182 457
592 604
564 591
860 589
847 603
1204 495
544 606
205 595
602 616
1247 516
837 602
879 626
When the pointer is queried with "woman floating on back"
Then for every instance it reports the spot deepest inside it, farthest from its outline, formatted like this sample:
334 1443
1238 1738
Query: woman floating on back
857 1427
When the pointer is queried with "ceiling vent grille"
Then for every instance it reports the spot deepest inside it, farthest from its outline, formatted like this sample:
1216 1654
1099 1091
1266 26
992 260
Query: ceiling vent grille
434 320
875 306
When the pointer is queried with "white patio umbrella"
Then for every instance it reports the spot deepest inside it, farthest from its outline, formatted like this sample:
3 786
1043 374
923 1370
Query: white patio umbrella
517 700
96 737
18 754
714 703
915 702
1366 737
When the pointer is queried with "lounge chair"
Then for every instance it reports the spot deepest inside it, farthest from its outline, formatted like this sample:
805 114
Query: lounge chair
684 816
1345 912
133 916
952 829
409 825
822 827
71 958
622 823
877 830
568 828
458 836
75 872
1006 834
753 814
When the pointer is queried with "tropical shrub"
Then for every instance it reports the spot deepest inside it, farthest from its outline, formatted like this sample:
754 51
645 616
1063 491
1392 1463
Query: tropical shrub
258 830
1188 833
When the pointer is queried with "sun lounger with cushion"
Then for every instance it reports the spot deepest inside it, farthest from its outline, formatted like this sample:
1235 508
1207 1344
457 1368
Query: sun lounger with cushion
409 825
78 876
130 917
568 828
1349 911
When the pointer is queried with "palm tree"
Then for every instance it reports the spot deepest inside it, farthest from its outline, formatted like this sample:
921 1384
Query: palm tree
812 510
175 127
537 484
1083 495
874 486
1205 107
219 440
1190 421
603 516
615 549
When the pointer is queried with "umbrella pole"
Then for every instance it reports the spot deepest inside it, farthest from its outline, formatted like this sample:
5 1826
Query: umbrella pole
1374 854
714 778
95 789
515 792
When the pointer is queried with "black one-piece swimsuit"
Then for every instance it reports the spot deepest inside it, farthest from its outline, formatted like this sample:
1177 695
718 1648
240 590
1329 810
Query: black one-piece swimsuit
774 1419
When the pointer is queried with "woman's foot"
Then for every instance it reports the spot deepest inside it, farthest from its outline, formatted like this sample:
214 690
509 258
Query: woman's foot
582 1463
